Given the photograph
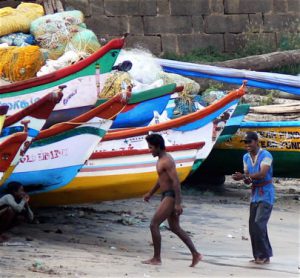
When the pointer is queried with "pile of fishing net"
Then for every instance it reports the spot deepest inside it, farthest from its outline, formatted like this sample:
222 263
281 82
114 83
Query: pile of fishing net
18 39
67 59
19 19
20 63
62 32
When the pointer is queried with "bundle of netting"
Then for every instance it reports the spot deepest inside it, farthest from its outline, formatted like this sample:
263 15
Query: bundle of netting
84 40
20 63
19 19
54 31
115 83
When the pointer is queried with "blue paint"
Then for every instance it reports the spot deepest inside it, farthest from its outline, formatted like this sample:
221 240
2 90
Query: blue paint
141 114
204 121
45 180
270 124
236 80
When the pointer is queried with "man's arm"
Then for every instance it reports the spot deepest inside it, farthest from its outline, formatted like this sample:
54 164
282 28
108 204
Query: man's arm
148 195
261 174
10 201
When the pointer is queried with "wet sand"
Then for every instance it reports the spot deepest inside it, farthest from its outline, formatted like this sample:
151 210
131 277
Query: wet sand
111 239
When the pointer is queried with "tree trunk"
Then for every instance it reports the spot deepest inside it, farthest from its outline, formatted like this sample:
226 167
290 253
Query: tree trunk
263 62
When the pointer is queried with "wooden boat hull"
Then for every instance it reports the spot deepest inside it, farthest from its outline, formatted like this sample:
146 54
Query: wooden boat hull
55 161
9 149
280 138
122 167
3 111
109 180
82 79
60 151
31 120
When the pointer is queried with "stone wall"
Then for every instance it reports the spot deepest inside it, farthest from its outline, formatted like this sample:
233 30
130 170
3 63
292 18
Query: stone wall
182 25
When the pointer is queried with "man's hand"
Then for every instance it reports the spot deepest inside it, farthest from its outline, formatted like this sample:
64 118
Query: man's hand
178 210
147 197
26 198
237 176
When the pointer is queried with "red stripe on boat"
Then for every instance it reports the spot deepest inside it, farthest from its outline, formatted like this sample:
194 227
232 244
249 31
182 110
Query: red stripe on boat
59 74
107 154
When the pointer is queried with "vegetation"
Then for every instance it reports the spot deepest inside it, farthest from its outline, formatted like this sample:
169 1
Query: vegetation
211 54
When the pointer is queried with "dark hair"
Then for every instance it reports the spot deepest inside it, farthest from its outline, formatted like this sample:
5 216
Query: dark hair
156 140
250 135
13 187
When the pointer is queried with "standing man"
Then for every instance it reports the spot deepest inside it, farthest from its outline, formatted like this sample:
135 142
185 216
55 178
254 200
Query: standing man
170 206
258 171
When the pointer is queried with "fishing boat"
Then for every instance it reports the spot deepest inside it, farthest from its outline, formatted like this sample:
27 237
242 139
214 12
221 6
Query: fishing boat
122 167
3 111
58 153
281 139
286 159
21 128
83 83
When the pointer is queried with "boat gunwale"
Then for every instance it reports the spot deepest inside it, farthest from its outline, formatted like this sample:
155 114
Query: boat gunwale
183 120
109 154
66 71
48 102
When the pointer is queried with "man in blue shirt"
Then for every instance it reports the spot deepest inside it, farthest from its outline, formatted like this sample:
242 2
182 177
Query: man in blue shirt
258 172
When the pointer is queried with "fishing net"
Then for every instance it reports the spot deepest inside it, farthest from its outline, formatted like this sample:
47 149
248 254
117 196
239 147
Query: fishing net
115 83
19 19
54 31
20 63
18 39
212 96
83 41
185 103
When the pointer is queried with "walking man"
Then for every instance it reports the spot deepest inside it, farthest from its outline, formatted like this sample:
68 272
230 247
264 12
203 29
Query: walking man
170 206
258 172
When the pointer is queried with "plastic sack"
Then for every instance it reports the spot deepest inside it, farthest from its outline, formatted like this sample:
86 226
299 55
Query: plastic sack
19 19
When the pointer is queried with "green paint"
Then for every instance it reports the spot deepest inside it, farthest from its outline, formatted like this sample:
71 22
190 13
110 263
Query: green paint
226 162
106 62
241 109
152 93
67 134
146 95
196 165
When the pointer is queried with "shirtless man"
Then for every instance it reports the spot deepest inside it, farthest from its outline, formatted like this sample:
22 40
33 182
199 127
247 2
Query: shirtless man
170 207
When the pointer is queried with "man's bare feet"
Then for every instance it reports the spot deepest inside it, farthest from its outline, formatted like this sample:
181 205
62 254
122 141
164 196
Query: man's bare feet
196 259
152 261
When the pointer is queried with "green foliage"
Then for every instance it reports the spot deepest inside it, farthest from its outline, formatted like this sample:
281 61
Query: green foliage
288 41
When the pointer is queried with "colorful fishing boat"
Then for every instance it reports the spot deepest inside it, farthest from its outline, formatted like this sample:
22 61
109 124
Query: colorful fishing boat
82 79
285 159
3 111
9 150
21 128
58 153
122 167
282 139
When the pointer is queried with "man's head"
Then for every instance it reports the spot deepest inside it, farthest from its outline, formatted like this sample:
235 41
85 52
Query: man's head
16 189
156 143
251 141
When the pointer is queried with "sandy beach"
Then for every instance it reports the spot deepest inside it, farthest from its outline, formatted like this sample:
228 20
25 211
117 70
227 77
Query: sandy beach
110 239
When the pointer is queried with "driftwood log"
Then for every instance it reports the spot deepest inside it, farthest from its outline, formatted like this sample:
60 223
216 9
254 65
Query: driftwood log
263 62
287 108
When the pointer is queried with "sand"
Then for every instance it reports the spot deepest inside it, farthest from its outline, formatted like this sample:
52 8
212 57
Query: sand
111 239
